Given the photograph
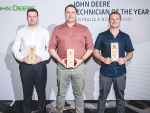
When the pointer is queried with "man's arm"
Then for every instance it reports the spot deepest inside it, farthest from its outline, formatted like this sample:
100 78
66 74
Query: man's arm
129 56
55 55
129 49
52 46
16 49
100 57
89 47
46 55
85 56
97 54
126 58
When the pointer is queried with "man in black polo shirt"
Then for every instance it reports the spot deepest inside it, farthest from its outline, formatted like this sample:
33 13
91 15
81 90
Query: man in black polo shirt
113 71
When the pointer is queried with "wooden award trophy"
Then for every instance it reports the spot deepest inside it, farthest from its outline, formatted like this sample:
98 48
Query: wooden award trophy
70 57
32 53
114 51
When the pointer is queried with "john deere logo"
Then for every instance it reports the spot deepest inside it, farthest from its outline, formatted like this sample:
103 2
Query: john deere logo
16 8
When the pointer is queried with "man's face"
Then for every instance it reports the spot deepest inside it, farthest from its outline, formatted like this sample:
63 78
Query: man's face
114 21
32 18
70 14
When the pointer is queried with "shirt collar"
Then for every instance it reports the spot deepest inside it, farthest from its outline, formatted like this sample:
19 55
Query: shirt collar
34 29
75 24
109 33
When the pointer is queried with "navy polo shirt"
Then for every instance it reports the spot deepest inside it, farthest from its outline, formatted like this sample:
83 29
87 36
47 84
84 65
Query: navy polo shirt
103 43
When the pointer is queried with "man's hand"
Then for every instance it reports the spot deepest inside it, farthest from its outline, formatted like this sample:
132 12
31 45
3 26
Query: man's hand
79 61
38 59
107 60
25 60
121 60
62 62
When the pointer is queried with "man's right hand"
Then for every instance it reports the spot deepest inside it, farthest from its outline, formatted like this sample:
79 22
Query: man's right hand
107 60
62 62
25 60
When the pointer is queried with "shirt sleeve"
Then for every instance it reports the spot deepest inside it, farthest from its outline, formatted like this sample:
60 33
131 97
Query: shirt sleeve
89 42
128 46
53 40
46 55
98 42
16 47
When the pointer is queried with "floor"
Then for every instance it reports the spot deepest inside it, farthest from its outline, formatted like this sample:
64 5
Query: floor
90 106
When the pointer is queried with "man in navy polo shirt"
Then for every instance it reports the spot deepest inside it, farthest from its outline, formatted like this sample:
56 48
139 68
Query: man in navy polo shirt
113 71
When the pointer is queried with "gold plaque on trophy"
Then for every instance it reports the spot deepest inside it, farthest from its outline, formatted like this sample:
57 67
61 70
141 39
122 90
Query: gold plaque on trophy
32 53
114 51
70 57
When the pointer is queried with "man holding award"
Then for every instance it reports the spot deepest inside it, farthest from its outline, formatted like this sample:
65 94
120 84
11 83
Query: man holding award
31 48
113 44
71 39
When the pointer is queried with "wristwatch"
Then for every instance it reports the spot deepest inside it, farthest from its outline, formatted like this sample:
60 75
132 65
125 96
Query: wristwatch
82 58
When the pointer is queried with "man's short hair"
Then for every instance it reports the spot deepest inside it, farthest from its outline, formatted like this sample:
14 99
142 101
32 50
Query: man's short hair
115 12
70 6
32 10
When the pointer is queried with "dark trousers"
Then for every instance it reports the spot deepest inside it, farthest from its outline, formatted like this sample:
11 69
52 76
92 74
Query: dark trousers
119 87
34 75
